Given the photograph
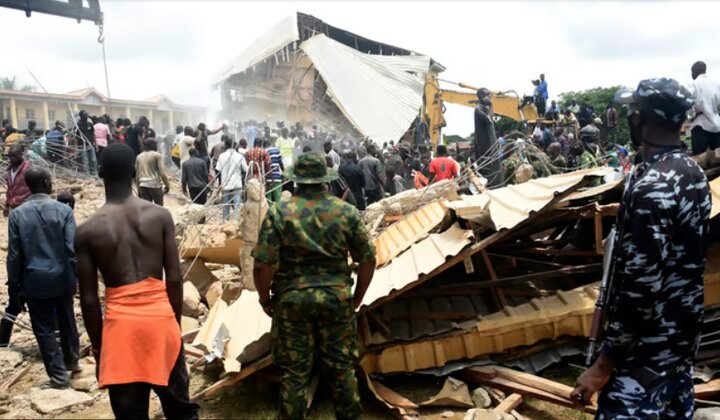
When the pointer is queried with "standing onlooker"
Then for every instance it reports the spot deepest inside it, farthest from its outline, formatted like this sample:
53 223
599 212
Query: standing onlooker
136 134
150 174
102 136
201 142
373 174
55 143
443 167
329 151
17 193
187 142
85 140
175 154
541 96
554 112
274 177
17 190
250 131
194 178
231 166
704 113
610 122
354 177
285 144
41 271
574 107
258 159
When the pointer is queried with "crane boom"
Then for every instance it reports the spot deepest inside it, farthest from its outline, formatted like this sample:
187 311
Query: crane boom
71 8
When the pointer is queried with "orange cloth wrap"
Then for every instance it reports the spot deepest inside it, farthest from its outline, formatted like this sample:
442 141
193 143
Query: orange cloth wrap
141 338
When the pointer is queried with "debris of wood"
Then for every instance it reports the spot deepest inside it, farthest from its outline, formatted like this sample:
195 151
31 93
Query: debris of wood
391 399
525 384
509 404
15 378
231 380
708 391
213 293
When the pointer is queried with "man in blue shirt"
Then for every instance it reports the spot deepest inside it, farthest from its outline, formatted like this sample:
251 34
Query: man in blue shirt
41 272
541 96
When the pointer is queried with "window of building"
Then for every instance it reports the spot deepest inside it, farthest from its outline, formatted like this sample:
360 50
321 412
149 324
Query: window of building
30 113
51 115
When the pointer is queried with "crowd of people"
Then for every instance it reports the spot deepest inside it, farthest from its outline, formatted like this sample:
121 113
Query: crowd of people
131 242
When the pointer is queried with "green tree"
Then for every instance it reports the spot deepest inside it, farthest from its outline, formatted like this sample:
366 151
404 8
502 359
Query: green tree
504 125
599 98
11 84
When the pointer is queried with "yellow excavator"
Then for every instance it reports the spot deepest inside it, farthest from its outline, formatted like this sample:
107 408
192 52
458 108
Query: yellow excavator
506 104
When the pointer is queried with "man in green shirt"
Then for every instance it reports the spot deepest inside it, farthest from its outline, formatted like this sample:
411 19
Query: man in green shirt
308 239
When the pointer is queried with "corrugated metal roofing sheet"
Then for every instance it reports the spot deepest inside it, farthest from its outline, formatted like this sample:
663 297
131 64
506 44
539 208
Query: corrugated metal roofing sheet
567 313
510 205
422 258
407 231
380 97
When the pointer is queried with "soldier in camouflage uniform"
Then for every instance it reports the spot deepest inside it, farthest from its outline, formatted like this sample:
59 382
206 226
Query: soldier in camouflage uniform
308 237
645 363
557 160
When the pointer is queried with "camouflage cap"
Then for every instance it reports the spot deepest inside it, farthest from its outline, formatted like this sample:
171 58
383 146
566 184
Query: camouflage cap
310 168
664 97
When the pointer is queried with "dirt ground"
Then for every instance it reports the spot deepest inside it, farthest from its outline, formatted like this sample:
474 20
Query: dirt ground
255 398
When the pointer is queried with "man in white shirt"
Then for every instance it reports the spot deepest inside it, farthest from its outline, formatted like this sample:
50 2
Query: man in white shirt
231 166
705 118
187 141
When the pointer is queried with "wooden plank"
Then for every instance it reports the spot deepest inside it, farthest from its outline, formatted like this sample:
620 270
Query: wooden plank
524 390
543 275
708 391
598 233
497 293
192 351
15 378
233 379
509 404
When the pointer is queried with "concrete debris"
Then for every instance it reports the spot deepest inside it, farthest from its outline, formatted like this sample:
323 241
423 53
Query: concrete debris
712 413
188 324
9 360
231 291
481 398
56 401
197 273
447 414
484 414
213 293
191 301
253 211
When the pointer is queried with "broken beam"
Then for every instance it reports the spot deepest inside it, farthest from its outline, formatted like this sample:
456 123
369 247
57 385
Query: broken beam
544 275
509 404
232 380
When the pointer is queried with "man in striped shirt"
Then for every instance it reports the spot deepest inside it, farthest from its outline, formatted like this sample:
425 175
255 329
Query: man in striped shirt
274 175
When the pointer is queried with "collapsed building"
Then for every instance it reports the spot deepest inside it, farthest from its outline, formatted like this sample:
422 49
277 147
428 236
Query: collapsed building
504 277
305 70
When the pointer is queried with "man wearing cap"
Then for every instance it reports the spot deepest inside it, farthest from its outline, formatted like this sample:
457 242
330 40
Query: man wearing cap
308 237
644 367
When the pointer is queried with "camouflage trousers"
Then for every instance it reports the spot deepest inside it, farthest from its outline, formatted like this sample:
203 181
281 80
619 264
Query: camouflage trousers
642 393
316 327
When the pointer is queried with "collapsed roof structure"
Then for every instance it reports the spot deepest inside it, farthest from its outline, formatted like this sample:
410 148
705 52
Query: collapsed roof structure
303 69
505 276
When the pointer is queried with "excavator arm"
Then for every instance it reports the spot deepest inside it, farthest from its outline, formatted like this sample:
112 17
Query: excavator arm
506 104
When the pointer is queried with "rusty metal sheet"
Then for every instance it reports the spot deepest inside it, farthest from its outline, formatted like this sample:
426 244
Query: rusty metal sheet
422 258
407 231
567 313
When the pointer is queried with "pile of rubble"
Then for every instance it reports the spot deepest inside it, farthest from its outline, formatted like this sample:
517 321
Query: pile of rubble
466 285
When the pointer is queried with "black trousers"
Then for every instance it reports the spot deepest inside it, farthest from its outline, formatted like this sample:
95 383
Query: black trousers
13 309
153 195
703 140
58 360
176 161
132 401
373 196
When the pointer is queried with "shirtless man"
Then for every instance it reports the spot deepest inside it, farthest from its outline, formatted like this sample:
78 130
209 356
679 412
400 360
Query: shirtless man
138 345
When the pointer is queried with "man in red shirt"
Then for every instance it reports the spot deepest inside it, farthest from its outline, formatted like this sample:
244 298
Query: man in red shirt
443 167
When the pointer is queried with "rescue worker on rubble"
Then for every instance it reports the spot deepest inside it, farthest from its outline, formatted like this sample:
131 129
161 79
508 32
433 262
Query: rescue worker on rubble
312 304
644 369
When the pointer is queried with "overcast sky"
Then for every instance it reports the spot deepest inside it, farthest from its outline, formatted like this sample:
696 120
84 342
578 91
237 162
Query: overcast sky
174 48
